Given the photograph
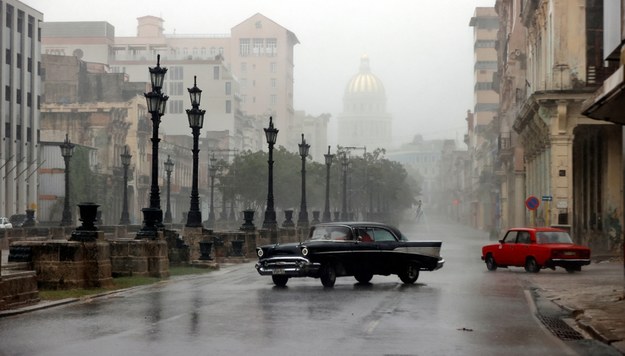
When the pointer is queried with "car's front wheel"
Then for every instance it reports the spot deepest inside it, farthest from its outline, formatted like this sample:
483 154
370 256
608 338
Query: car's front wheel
328 275
490 263
410 274
280 281
531 266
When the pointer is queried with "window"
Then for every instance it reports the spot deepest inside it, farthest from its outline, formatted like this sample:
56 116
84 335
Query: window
258 46
31 21
216 72
9 16
213 52
244 47
272 47
29 99
228 107
175 73
273 83
273 67
175 106
383 235
19 60
243 67
7 54
18 96
20 21
523 238
274 99
228 88
29 65
510 237
7 93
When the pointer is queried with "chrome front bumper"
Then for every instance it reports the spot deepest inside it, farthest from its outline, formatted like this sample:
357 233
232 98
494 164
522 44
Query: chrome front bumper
287 266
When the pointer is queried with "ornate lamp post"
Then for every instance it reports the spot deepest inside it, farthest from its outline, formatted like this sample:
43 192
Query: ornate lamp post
67 149
125 156
156 102
212 171
271 134
196 121
345 164
326 212
169 167
302 221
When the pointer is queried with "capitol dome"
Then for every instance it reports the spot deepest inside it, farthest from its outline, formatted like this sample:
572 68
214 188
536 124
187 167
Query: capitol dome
365 82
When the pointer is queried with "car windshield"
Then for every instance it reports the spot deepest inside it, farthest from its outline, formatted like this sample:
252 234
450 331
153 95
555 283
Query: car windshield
338 233
553 237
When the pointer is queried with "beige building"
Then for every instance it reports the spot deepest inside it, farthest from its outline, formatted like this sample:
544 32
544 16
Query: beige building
550 61
20 81
484 196
247 72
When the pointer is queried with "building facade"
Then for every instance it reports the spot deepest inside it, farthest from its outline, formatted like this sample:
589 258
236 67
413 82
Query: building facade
364 120
484 190
550 62
20 79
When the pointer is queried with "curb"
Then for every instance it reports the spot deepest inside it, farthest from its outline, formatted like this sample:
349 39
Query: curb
37 306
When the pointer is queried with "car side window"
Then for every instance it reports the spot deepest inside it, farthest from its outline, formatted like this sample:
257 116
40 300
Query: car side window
383 235
365 235
510 237
523 238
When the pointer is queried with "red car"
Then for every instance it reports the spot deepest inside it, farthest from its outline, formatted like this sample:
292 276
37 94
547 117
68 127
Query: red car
536 248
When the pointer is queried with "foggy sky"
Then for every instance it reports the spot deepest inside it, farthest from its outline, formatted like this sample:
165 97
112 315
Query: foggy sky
421 50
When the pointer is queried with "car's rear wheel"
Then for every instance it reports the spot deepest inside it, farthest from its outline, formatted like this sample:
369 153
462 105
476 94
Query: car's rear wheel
531 266
363 277
490 263
574 269
410 274
327 275
280 281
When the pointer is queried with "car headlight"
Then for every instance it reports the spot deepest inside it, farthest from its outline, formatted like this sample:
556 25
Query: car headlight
305 251
260 252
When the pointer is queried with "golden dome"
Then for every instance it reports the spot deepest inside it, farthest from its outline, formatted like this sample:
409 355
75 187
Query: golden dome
365 82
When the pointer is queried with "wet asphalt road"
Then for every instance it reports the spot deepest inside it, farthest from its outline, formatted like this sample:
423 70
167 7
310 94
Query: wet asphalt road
459 310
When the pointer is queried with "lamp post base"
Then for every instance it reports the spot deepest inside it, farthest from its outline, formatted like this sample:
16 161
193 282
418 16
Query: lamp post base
194 219
150 220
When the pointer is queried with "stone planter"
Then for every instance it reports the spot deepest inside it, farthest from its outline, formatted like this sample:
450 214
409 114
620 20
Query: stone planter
288 219
87 232
315 219
205 250
248 217
237 247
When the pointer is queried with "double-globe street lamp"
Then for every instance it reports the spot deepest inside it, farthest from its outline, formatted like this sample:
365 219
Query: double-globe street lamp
196 121
169 167
302 220
125 157
271 134
156 102
67 149
326 212
212 172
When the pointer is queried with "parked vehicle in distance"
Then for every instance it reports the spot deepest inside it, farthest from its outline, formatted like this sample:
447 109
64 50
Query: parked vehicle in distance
17 220
358 249
5 223
536 248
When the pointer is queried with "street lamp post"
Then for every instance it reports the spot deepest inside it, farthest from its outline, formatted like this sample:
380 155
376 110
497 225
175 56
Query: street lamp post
125 156
271 133
67 149
169 167
156 102
196 121
302 221
345 164
212 171
326 212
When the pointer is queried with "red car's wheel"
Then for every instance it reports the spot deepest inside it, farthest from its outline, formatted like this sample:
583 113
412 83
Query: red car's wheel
531 266
490 263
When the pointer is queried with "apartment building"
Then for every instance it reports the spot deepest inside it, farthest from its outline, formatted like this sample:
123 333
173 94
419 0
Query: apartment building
19 118
485 192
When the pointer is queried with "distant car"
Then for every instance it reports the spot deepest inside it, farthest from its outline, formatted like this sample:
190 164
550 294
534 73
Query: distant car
358 249
536 248
17 220
5 223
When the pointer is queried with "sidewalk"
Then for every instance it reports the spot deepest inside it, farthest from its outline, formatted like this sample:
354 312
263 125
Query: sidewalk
595 297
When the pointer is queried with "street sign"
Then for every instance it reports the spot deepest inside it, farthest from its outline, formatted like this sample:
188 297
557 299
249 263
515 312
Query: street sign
547 198
532 203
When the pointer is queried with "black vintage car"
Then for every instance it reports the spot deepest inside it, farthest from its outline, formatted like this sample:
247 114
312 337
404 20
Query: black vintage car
359 249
